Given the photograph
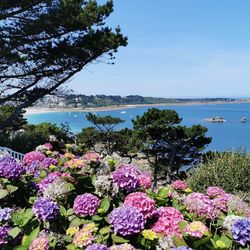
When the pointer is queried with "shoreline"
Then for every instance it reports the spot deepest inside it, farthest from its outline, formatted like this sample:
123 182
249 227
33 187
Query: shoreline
41 110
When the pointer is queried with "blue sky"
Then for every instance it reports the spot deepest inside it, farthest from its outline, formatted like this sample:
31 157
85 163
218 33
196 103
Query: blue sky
176 48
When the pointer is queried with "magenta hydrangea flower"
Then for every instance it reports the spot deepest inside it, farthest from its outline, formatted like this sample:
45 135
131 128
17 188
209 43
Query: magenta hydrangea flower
45 209
127 221
179 185
213 192
167 222
40 243
126 177
33 156
145 180
4 235
50 178
97 247
48 161
142 202
92 157
241 231
201 205
86 204
10 169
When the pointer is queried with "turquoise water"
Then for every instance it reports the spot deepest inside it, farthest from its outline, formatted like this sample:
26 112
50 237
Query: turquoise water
231 134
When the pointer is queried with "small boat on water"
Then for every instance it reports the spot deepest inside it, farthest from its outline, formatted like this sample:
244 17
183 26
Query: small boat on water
123 112
215 119
243 119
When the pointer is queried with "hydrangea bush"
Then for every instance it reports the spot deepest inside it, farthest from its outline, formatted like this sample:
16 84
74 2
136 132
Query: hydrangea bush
64 201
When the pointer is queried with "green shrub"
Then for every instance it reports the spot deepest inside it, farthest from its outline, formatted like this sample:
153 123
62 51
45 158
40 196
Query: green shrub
228 170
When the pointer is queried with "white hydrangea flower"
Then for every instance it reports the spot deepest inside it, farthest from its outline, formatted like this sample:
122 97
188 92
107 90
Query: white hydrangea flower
41 148
103 184
57 190
165 243
52 138
230 220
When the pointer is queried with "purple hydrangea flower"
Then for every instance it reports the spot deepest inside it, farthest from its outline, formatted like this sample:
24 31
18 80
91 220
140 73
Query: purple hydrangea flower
126 177
11 169
45 209
127 220
7 158
181 248
241 231
5 214
34 168
4 235
86 204
50 178
48 161
97 247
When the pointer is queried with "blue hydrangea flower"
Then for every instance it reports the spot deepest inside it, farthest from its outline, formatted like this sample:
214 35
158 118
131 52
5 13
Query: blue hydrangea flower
241 231
45 209
97 247
127 220
5 214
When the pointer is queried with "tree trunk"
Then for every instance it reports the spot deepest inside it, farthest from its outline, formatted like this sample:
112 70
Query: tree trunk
156 169
170 166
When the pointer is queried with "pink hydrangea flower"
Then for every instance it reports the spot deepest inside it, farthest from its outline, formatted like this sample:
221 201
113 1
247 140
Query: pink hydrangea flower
201 205
33 156
40 243
48 145
145 180
196 229
168 219
92 157
213 192
75 163
237 206
142 202
68 155
221 202
179 185
83 238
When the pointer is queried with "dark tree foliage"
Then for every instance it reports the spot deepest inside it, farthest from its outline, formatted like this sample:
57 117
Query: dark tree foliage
15 124
165 142
107 139
34 135
103 137
43 43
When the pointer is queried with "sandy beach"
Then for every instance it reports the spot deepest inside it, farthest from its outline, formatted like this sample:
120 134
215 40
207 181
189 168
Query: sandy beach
42 110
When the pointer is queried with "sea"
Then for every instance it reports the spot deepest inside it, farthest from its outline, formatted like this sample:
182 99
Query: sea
229 135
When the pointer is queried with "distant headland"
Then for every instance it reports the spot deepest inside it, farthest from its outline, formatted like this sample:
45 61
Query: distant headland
95 103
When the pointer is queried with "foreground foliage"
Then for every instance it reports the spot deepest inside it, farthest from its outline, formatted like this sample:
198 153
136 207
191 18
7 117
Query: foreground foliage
228 170
54 201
